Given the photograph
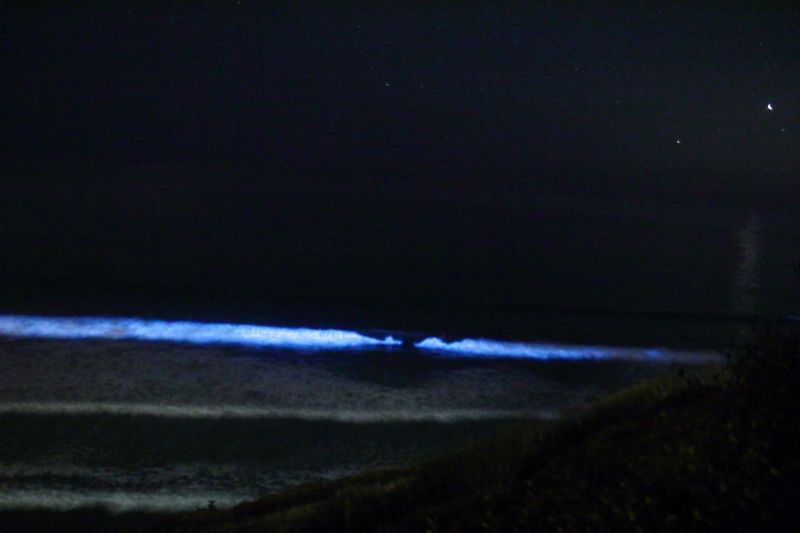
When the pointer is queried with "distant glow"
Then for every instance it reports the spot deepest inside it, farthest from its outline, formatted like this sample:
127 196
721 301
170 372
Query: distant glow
769 107
190 332
677 141
485 348
746 276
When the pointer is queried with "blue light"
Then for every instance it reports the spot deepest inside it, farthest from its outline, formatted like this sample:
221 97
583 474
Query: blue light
190 332
319 339
485 348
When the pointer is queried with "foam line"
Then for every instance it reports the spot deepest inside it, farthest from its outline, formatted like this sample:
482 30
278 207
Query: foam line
114 501
239 411
485 348
190 332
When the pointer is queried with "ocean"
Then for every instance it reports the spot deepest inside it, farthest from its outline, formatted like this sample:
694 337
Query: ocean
136 401
134 425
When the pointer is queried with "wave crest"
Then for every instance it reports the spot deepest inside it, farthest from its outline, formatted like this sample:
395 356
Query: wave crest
486 348
184 331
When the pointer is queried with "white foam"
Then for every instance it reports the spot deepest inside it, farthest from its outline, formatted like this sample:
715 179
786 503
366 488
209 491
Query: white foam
237 411
520 350
182 331
183 477
115 501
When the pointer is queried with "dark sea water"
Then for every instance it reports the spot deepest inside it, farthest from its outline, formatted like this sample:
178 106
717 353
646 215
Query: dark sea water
133 425
626 292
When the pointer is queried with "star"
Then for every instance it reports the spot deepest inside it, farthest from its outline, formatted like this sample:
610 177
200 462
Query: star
677 141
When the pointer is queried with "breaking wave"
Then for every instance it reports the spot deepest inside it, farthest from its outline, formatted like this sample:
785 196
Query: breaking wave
321 339
542 351
184 331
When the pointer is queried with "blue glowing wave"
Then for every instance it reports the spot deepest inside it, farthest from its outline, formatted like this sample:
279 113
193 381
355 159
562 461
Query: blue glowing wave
189 332
485 348
319 339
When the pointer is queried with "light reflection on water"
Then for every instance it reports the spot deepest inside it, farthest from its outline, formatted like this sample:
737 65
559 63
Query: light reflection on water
746 277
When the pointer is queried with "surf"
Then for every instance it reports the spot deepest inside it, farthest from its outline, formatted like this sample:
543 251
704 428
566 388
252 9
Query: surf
361 416
185 332
308 339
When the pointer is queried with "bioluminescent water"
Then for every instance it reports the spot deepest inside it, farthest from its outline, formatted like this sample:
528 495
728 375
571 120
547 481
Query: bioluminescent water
184 331
154 415
546 351
317 339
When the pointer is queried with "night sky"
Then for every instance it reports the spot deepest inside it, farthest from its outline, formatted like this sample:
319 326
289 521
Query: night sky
398 153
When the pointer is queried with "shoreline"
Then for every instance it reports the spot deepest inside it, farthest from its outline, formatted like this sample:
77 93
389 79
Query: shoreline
680 452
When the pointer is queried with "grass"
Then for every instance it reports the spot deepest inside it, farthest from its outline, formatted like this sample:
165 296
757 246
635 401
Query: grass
712 450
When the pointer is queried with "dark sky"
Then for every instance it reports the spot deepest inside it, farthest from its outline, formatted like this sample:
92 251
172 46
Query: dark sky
411 90
317 146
